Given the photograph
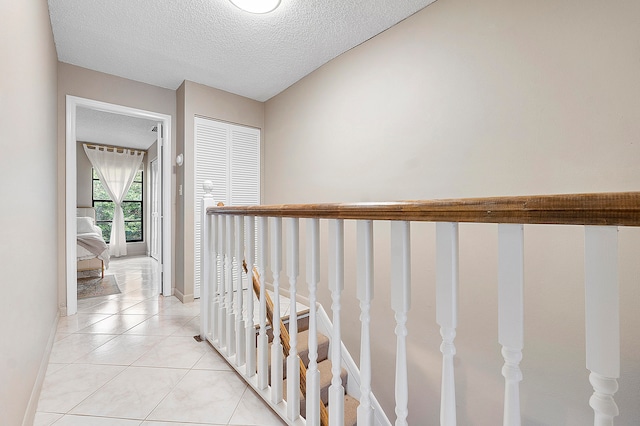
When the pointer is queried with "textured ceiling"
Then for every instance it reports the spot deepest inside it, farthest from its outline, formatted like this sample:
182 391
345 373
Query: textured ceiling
212 42
105 128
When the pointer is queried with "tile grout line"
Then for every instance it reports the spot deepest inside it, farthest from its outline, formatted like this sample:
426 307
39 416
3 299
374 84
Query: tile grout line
167 310
75 361
165 397
238 404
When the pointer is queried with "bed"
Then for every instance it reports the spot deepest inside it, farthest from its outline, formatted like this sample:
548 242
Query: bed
92 251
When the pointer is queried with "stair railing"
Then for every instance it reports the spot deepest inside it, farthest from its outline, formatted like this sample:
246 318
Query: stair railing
600 214
285 340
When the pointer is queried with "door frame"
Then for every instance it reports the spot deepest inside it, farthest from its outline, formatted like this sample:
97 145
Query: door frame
72 102
152 202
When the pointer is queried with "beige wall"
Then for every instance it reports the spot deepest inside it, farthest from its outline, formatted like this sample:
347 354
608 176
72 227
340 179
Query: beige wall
478 99
198 100
84 179
179 242
28 233
84 83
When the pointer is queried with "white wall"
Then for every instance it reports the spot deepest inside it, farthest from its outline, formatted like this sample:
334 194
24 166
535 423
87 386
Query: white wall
28 192
468 99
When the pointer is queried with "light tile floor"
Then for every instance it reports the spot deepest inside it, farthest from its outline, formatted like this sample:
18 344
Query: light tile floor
130 359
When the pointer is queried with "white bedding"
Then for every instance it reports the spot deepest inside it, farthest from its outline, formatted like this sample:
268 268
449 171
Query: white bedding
90 241
84 254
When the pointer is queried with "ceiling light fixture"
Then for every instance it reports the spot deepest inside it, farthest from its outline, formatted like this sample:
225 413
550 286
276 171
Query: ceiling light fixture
256 6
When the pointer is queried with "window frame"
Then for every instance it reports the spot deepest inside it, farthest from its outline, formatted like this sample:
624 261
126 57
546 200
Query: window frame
141 202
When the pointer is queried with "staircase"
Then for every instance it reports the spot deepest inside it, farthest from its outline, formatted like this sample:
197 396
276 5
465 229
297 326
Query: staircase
228 321
323 363
324 366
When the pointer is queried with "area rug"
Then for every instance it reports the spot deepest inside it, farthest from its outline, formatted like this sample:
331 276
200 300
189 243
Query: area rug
97 286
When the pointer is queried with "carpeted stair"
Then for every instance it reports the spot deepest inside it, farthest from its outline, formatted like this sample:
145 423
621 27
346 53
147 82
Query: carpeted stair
324 366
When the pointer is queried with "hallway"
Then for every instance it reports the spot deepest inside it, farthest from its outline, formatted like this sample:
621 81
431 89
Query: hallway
130 359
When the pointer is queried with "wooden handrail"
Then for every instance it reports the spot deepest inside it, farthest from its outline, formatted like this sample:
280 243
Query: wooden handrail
284 338
621 208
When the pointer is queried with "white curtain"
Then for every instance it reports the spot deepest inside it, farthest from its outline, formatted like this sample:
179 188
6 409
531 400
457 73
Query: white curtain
116 171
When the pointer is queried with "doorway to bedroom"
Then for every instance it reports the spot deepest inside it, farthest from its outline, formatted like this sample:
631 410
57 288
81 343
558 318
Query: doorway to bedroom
115 199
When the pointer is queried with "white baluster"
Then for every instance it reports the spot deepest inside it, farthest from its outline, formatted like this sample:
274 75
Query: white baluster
313 277
336 285
511 315
250 334
231 314
447 313
222 311
205 260
276 345
240 324
401 302
215 268
263 354
365 295
602 309
293 360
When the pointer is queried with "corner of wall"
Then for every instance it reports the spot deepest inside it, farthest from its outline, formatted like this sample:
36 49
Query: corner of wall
184 298
32 405
179 282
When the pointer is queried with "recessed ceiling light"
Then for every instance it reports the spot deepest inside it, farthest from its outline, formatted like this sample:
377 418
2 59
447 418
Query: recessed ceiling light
256 6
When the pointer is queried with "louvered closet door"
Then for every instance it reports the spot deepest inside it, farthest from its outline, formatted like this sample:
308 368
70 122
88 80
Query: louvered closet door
245 166
229 156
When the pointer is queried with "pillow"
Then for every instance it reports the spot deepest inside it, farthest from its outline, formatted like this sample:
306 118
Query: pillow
85 225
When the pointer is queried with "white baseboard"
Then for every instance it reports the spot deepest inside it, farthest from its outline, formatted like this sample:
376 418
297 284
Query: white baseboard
184 298
32 406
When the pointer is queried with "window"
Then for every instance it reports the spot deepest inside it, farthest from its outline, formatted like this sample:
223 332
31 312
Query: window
131 206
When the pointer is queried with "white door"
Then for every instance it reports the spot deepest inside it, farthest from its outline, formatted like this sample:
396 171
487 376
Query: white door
229 156
155 228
